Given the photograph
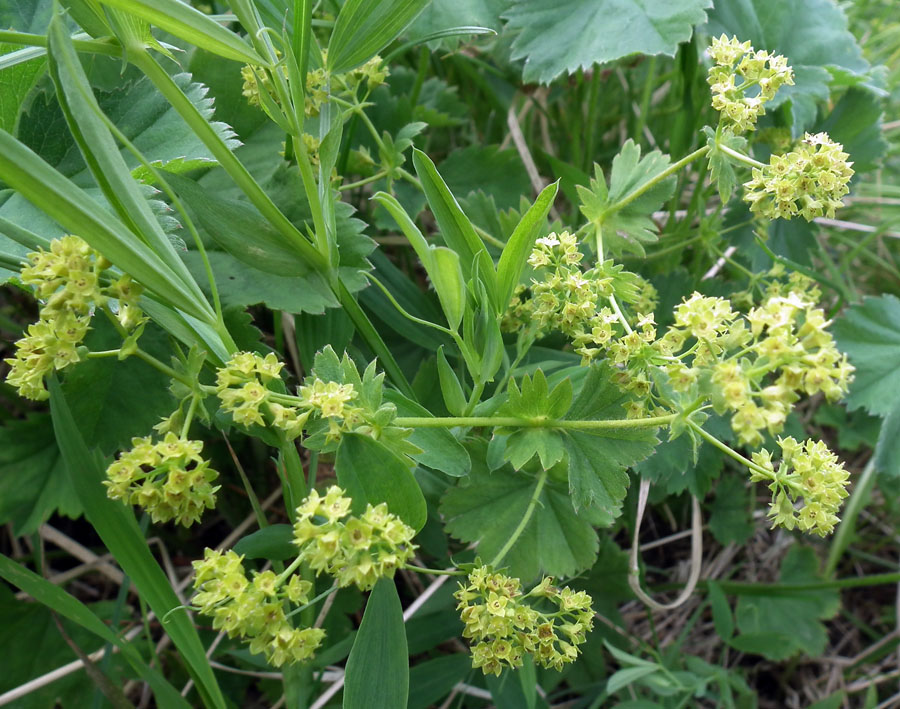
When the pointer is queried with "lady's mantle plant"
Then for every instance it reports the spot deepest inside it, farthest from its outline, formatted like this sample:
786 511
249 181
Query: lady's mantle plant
565 438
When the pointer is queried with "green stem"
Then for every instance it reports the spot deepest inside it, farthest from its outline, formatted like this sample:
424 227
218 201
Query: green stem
740 157
656 179
88 46
189 416
164 368
526 518
282 577
513 422
435 572
227 159
365 181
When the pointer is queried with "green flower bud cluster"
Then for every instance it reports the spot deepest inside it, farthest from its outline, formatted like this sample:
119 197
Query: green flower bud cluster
761 75
242 386
809 181
504 624
355 550
254 609
570 300
168 478
67 281
808 470
373 73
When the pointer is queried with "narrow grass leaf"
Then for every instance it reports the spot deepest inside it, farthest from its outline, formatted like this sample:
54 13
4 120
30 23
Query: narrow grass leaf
363 28
70 607
118 529
182 20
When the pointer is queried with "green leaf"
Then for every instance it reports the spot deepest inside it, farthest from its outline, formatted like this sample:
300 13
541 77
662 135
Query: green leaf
78 213
623 218
887 450
488 169
515 253
598 459
118 529
451 389
855 122
576 34
182 20
377 675
489 508
721 165
439 448
112 400
723 620
33 479
456 229
674 468
16 83
870 335
364 28
778 626
434 679
440 263
730 520
812 34
372 474
56 599
275 542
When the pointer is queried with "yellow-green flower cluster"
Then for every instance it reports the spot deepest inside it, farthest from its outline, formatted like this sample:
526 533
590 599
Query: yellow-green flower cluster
504 624
253 609
808 181
242 386
760 362
761 75
355 550
575 302
67 281
168 478
808 470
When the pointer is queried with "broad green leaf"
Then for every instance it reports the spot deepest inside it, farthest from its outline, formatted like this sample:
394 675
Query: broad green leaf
441 15
439 448
112 400
515 253
489 508
674 468
456 229
488 169
887 450
628 676
33 479
621 212
779 626
372 474
812 34
118 529
16 83
870 335
434 679
182 20
730 521
364 28
62 201
275 542
576 34
855 122
377 675
56 599
240 284
598 459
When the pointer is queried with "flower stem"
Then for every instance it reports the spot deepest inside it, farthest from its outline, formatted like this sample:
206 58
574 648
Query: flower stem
654 181
513 422
740 157
526 518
